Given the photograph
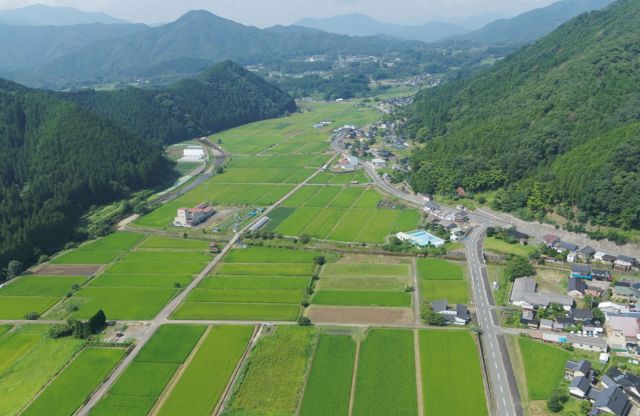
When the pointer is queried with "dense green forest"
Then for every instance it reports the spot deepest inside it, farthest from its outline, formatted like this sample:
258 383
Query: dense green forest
56 161
555 126
222 97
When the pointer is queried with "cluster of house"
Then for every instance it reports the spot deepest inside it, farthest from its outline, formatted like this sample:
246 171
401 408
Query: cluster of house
585 332
190 217
453 314
451 220
614 393
590 255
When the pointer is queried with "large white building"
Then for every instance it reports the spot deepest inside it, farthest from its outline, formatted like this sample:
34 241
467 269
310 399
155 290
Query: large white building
193 154
190 217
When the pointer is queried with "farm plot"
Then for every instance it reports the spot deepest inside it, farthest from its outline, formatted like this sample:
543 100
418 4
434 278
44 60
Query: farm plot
388 352
440 279
102 251
273 378
155 242
253 284
363 284
340 178
68 391
122 303
543 367
451 359
17 307
200 386
29 359
270 255
141 283
138 388
328 388
41 286
34 294
347 224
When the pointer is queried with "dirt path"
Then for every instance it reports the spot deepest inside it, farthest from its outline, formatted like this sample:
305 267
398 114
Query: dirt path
354 378
122 225
416 349
417 296
226 395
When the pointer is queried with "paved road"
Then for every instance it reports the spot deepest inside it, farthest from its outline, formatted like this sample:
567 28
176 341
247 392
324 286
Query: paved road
504 392
502 385
163 316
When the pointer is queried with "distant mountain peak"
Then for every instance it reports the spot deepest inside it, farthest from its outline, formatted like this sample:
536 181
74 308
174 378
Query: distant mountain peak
44 15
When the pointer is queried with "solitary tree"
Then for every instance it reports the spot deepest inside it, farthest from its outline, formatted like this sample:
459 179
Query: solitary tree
97 322
14 269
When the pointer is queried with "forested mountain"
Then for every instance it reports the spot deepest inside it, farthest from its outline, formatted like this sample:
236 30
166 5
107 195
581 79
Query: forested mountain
534 24
556 124
224 96
362 25
43 15
191 44
57 160
30 46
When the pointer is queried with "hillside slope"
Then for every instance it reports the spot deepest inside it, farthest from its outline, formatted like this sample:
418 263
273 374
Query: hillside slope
556 124
36 45
532 25
223 97
56 161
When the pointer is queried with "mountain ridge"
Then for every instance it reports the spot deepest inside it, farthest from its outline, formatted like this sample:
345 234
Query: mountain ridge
523 125
43 15
357 24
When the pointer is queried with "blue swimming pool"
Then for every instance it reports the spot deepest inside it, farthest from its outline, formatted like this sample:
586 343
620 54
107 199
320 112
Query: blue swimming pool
423 238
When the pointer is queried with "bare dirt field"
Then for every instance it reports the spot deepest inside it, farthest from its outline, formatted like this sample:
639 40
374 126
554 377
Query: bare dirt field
360 316
372 259
68 270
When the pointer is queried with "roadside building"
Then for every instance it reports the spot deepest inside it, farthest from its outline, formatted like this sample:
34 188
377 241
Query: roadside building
580 387
456 315
613 400
379 163
574 369
624 327
624 263
431 206
546 324
563 246
576 287
581 315
581 271
587 343
551 239
190 217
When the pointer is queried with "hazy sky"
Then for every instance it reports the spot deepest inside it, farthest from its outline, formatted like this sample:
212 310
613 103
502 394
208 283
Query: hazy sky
270 12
